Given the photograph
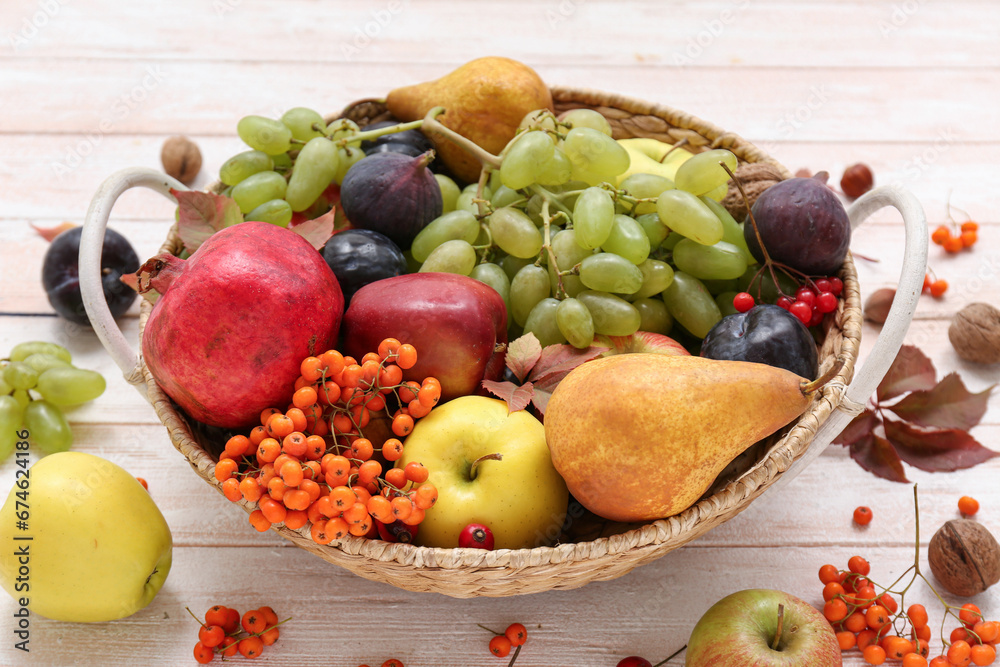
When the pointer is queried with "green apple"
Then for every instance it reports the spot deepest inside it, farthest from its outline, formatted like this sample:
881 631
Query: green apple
520 497
743 629
99 548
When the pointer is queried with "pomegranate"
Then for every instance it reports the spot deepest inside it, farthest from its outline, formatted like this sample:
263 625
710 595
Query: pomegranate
235 320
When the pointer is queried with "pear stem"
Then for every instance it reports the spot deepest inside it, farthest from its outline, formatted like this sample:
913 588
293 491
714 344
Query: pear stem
809 388
431 124
496 456
777 632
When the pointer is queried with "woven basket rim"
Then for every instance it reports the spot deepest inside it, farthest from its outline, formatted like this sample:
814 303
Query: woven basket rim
473 572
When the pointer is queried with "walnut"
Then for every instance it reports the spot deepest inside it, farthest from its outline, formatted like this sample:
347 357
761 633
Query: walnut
755 177
975 333
964 557
181 159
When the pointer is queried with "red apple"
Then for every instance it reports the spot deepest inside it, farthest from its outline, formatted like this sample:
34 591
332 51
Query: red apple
640 341
457 324
739 631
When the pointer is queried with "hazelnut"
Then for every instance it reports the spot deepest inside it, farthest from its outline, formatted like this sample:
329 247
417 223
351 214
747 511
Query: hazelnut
181 159
964 557
857 180
975 333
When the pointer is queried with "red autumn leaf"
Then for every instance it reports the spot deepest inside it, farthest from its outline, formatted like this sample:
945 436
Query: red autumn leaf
318 230
556 361
517 397
941 450
947 405
522 355
201 214
540 399
911 370
872 452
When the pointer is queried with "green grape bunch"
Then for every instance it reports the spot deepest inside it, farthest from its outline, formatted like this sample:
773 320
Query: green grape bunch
37 380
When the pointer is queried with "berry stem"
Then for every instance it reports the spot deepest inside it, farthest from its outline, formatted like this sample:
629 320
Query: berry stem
517 650
200 622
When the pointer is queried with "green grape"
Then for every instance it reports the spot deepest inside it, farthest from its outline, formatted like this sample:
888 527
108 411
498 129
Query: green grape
455 225
492 275
586 118
343 128
22 351
347 157
673 238
70 385
449 192
608 272
539 119
627 239
454 256
515 233
11 417
655 230
653 315
724 300
685 214
4 387
646 186
473 188
656 277
303 123
690 304
277 212
556 171
41 362
511 265
282 162
541 321
716 287
504 196
596 157
593 217
721 261
20 375
529 286
719 193
525 158
264 134
702 173
466 202
262 187
314 171
568 254
22 397
48 427
732 231
575 323
613 316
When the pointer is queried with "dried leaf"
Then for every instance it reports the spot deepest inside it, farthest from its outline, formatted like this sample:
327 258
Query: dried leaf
872 452
942 450
517 397
318 230
947 405
49 233
556 361
201 214
522 354
911 370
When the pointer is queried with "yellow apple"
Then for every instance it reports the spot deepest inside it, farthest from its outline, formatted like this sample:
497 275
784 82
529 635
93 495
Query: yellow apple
99 548
521 497
650 156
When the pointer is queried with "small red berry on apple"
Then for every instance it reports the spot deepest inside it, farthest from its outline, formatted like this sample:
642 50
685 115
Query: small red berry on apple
476 536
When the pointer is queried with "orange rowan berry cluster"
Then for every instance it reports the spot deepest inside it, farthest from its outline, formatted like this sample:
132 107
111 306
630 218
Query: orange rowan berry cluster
224 632
954 241
873 623
934 286
512 638
391 662
311 464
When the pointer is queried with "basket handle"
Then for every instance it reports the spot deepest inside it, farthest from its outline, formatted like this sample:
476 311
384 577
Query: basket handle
91 245
890 339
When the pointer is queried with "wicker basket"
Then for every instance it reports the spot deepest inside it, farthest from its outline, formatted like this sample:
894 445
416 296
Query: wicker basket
594 550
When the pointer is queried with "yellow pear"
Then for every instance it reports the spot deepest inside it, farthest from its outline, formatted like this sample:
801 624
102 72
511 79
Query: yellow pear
484 100
639 437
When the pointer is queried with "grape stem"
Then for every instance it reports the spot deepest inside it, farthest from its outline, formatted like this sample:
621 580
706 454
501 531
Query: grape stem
431 124
547 226
368 135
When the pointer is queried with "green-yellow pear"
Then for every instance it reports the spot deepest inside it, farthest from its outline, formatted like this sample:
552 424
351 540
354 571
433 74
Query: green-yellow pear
639 437
519 497
92 547
484 100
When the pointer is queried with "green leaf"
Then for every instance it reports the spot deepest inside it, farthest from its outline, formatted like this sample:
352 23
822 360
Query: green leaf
517 397
938 450
911 370
201 214
948 405
522 354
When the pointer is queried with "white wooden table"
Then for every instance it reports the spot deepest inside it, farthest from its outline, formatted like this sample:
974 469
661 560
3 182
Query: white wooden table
91 86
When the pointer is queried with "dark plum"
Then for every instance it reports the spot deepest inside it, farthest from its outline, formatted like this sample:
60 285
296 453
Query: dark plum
362 256
802 224
765 334
61 274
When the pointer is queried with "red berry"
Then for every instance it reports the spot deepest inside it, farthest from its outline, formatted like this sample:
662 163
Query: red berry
785 302
863 516
823 285
968 505
836 285
801 310
202 654
826 302
634 661
805 295
476 536
500 646
743 302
